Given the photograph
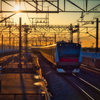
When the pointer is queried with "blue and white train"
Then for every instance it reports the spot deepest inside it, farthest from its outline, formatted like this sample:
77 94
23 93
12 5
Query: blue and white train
66 57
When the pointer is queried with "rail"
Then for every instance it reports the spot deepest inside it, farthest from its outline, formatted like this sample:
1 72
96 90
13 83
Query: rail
47 94
90 68
89 84
88 97
21 94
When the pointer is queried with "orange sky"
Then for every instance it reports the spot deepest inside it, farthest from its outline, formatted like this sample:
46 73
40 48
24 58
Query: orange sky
57 19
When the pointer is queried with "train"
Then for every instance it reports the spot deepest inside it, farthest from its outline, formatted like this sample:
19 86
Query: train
8 52
65 56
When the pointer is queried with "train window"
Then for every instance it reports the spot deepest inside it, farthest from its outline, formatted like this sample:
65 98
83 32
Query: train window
68 49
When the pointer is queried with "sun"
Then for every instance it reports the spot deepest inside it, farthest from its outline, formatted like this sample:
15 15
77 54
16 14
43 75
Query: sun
17 8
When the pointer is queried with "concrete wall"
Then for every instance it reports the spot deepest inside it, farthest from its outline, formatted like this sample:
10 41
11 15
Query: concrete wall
91 54
91 61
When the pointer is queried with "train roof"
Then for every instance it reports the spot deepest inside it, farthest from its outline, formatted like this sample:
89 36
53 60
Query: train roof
60 42
48 46
35 47
64 42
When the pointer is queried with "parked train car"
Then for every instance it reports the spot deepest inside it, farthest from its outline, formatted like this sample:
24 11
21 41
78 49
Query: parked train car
66 57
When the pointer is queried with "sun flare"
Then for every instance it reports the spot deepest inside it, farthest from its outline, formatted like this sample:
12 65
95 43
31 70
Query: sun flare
17 8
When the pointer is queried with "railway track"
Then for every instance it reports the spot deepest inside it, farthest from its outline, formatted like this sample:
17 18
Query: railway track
91 69
87 89
4 61
12 65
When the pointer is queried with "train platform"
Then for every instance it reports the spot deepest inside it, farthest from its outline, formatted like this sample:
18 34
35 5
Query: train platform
20 83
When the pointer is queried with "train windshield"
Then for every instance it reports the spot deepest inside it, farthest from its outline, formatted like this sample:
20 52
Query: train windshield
68 50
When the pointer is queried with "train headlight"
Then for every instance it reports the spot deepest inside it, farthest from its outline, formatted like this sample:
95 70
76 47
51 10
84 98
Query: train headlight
76 44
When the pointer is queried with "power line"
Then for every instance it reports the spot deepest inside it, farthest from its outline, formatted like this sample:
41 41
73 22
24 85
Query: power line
27 13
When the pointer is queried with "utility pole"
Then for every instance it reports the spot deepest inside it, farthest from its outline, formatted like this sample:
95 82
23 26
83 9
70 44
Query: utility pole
40 40
13 43
20 66
16 43
71 32
9 36
36 41
26 43
55 37
46 41
26 29
78 39
2 42
96 36
32 42
77 30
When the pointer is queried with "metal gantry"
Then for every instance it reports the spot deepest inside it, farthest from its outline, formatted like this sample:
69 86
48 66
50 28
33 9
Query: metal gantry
41 6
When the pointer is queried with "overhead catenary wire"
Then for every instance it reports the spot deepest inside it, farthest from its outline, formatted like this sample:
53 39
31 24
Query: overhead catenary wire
89 30
27 13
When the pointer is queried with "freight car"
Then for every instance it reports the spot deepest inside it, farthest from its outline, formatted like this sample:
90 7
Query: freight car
65 57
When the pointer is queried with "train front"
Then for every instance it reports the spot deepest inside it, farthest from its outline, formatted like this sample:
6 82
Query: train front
68 57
